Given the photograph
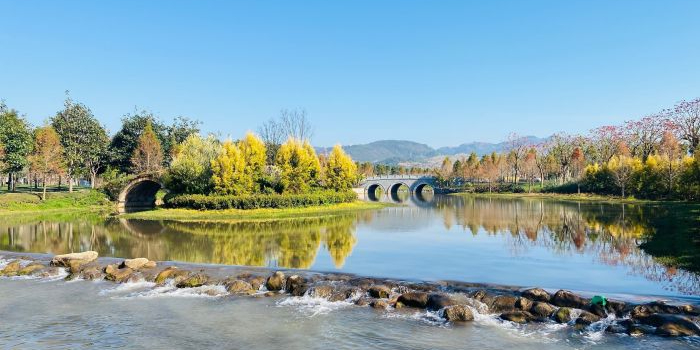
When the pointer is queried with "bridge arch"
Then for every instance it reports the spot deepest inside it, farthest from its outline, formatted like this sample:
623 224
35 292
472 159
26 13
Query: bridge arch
372 191
139 194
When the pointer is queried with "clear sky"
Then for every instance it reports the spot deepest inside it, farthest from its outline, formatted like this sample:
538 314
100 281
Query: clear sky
437 72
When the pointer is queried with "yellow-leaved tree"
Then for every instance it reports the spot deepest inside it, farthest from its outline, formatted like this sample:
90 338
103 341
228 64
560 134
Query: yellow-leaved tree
228 171
254 154
299 166
340 170
148 155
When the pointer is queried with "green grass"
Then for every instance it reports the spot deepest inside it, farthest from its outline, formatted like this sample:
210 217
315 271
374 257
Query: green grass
252 214
26 201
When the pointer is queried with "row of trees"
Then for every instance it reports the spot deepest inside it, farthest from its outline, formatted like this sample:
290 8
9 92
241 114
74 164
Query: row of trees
655 156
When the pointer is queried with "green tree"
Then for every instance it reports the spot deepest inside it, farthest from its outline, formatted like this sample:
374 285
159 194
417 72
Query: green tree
83 139
16 138
177 133
148 155
299 166
190 170
254 154
125 141
47 157
340 170
228 170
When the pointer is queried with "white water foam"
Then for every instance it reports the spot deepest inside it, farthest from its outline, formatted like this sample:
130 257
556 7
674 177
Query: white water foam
149 290
314 306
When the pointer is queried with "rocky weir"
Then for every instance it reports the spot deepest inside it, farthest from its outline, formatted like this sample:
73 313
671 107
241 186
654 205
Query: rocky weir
453 302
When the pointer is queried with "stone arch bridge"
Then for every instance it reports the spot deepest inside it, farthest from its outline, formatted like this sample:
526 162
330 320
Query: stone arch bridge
139 193
390 184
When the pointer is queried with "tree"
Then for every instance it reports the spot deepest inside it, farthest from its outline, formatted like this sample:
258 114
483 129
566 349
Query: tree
190 169
605 141
517 147
578 164
83 139
530 167
148 155
16 140
125 141
561 148
254 154
299 166
686 119
177 133
296 124
670 151
47 157
228 170
340 170
644 135
489 169
272 135
621 168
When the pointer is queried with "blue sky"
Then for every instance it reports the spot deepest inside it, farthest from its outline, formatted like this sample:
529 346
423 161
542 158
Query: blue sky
437 72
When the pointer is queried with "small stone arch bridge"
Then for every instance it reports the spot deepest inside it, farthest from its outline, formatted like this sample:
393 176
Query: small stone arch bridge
139 193
390 184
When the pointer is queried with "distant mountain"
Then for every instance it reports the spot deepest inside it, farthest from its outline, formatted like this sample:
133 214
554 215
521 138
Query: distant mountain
387 151
409 152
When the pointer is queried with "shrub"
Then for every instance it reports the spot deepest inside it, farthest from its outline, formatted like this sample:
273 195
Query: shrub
257 201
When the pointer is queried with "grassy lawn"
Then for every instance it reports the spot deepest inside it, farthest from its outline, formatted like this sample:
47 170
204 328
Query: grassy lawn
253 214
26 200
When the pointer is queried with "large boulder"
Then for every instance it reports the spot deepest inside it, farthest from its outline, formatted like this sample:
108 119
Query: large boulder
194 280
585 319
239 287
379 291
64 260
503 303
677 326
296 285
275 282
437 301
563 315
457 313
114 273
322 291
30 269
414 299
171 272
541 309
537 294
11 268
379 304
138 263
564 298
517 316
655 307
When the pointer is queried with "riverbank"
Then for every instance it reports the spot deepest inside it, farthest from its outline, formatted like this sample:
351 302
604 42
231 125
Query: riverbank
189 215
443 302
563 197
30 202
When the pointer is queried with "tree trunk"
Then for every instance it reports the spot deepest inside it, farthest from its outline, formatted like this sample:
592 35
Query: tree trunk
93 176
43 194
9 182
60 179
70 184
13 185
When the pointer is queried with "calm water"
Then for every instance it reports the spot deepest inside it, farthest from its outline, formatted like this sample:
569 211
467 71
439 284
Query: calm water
634 251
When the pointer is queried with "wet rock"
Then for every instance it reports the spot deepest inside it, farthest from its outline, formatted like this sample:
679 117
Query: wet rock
379 291
344 294
322 291
257 282
677 326
693 310
50 271
275 282
138 263
64 260
362 301
379 304
113 273
598 310
616 329
517 316
296 285
541 309
11 268
503 303
585 319
656 307
171 272
563 315
437 301
457 313
523 304
91 273
195 280
414 299
30 269
564 298
239 287
270 294
616 307
537 294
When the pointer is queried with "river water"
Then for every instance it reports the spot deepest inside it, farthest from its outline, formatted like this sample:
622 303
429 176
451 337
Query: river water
631 251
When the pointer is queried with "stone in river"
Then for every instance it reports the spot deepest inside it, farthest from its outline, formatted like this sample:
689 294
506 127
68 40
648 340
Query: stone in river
564 298
414 299
379 291
64 260
30 269
563 315
503 303
517 316
275 282
322 291
379 304
195 280
138 263
541 309
585 319
113 273
458 313
537 294
11 268
296 285
437 301
239 287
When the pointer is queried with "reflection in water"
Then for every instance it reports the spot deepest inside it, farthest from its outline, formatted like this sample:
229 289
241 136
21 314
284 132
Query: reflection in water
634 236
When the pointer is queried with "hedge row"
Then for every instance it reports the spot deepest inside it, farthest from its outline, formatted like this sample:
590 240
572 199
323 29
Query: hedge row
199 201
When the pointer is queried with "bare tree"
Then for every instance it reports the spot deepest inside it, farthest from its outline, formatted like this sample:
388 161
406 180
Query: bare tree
272 134
686 119
518 147
296 124
644 135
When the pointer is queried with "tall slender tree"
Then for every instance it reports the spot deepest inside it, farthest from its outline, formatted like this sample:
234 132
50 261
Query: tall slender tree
16 140
46 159
148 155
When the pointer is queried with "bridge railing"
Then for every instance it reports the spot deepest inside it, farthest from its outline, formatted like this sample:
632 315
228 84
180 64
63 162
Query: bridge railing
397 177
